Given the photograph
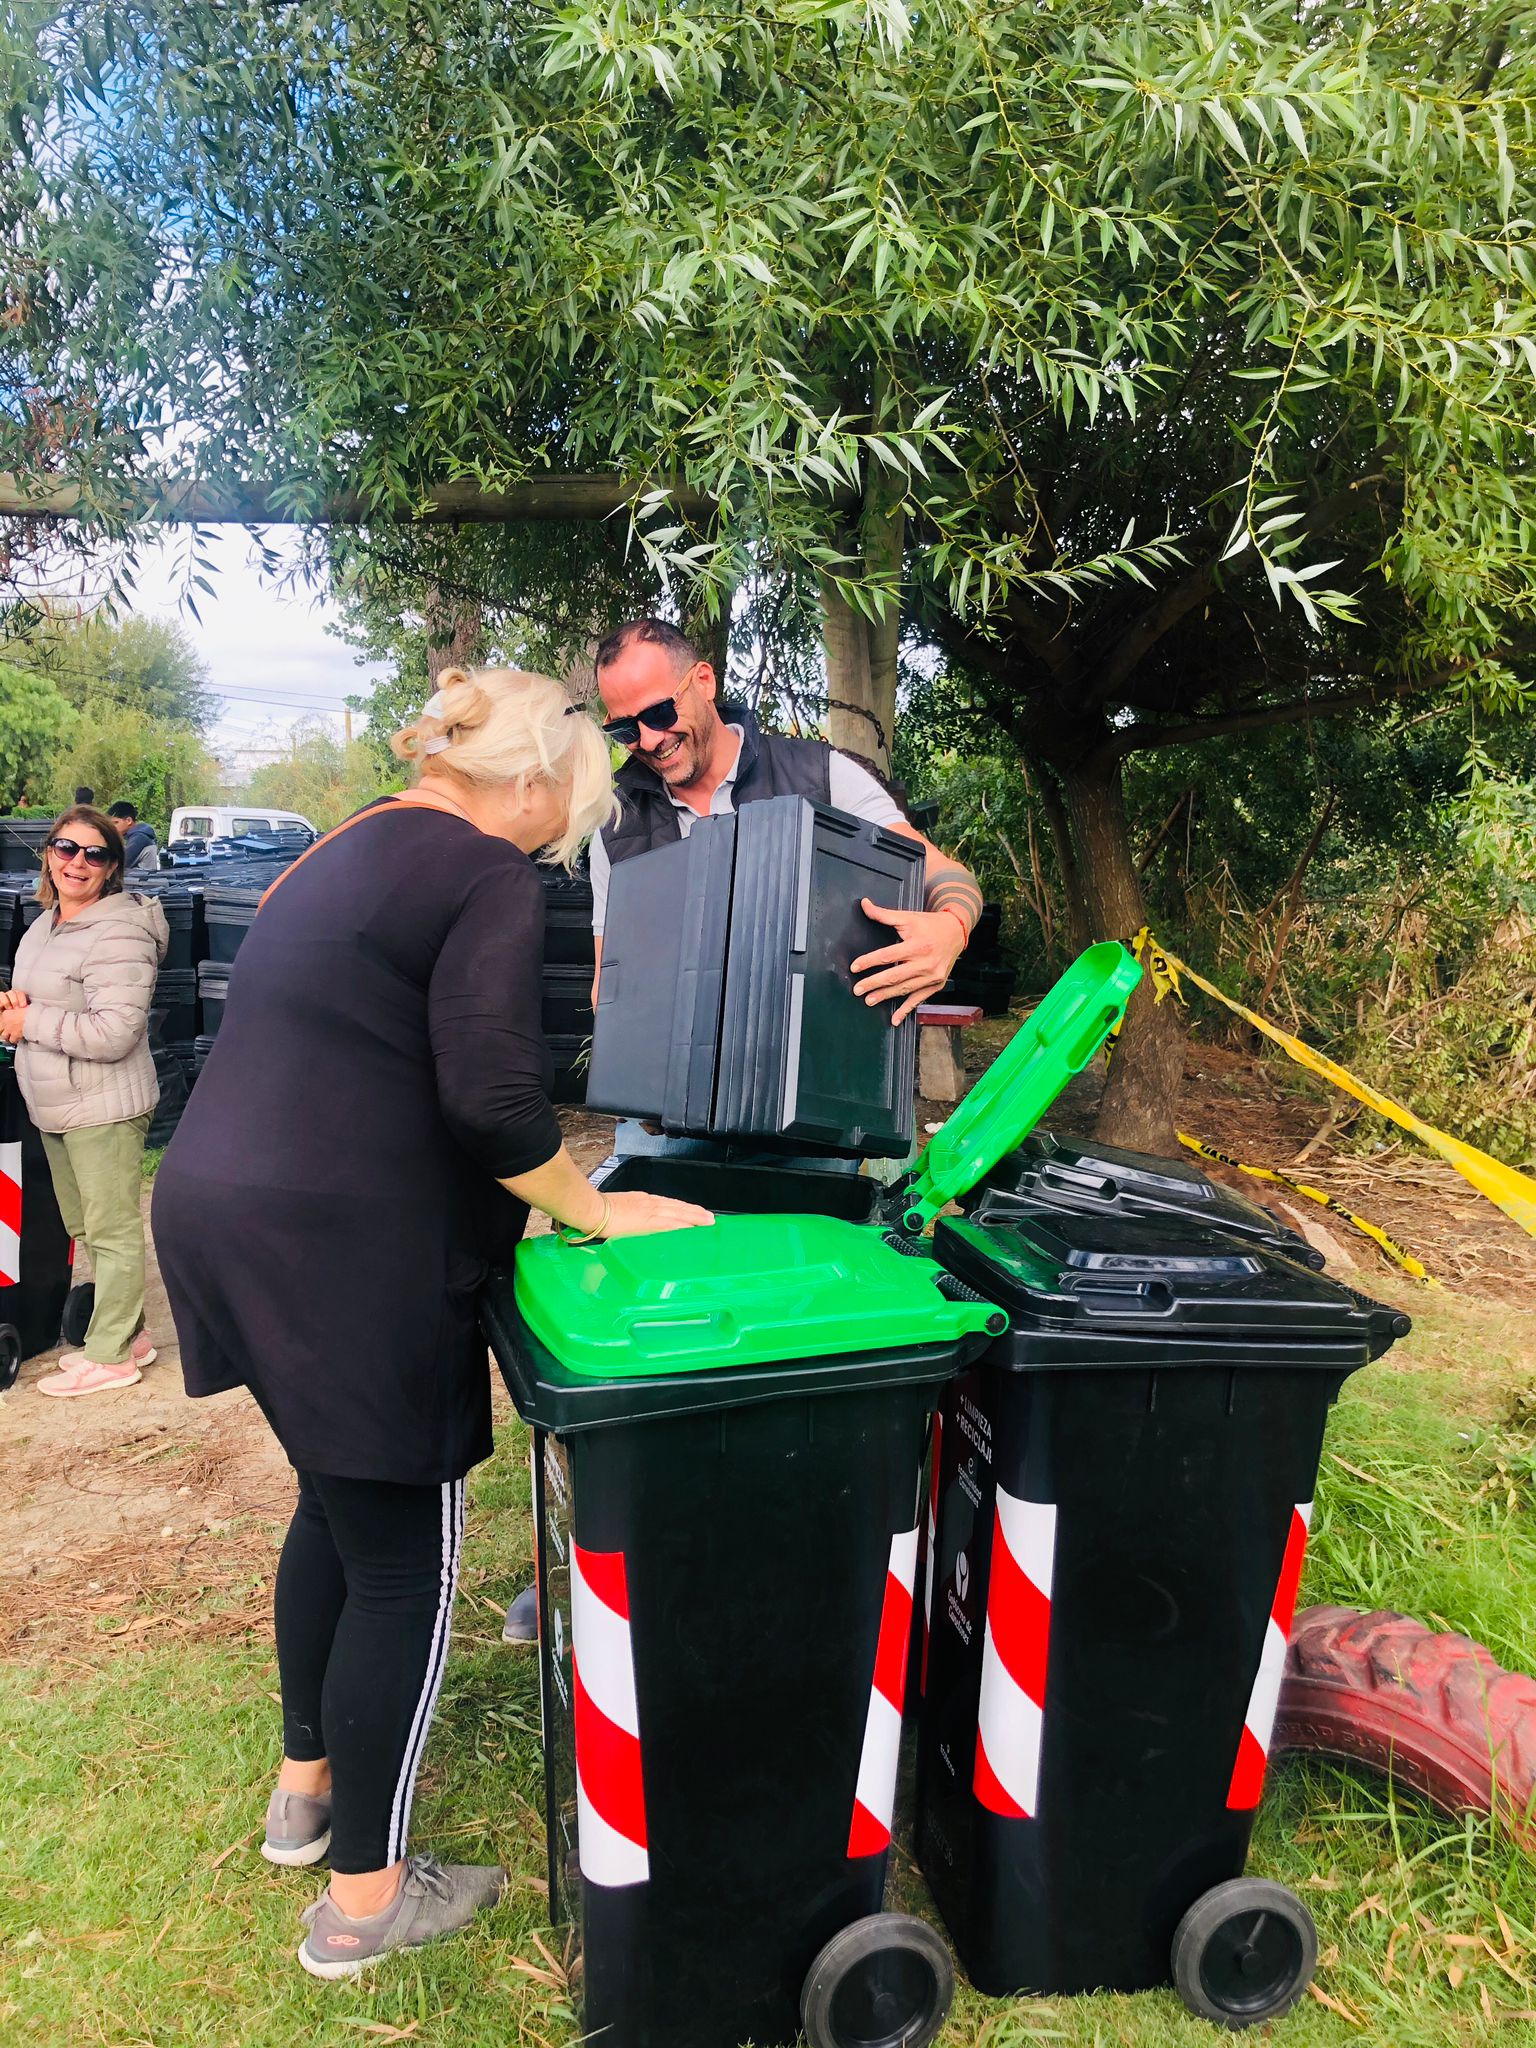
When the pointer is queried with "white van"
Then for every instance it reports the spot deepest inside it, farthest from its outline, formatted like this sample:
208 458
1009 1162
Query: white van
230 821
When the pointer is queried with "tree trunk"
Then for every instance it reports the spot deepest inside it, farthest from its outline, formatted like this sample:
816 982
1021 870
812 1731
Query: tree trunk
883 531
1080 932
1142 1091
860 651
453 632
853 722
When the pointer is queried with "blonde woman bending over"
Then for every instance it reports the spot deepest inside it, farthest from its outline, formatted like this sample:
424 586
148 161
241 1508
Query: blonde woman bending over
367 1135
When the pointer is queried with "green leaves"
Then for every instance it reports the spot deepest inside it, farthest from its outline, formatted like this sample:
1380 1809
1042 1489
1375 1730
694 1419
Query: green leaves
1256 284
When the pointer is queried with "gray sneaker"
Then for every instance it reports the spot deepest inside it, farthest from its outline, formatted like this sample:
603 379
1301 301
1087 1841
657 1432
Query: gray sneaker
434 1899
522 1622
298 1828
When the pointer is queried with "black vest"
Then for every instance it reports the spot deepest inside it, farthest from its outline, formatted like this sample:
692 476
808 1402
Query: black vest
771 765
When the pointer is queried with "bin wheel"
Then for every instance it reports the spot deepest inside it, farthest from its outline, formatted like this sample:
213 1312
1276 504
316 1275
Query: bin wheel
79 1307
10 1355
884 1982
1244 1952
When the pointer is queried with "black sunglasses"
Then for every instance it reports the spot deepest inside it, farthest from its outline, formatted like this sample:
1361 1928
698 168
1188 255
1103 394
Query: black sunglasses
96 856
658 717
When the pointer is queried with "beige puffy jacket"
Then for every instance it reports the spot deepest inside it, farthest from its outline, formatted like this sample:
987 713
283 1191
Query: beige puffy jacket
84 1055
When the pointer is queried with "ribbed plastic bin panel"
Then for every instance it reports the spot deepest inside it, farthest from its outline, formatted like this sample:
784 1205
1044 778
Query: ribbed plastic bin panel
726 1006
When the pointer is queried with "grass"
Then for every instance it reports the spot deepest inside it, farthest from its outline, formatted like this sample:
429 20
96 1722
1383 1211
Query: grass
136 1910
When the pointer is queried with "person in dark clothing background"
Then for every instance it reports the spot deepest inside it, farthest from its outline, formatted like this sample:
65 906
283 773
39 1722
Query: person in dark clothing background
138 838
324 1217
85 794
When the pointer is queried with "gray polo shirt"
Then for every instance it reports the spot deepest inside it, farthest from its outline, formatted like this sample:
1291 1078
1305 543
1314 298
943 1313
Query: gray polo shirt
850 788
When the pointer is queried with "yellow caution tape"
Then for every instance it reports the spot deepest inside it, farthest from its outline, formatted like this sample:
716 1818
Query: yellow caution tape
1374 1231
1513 1192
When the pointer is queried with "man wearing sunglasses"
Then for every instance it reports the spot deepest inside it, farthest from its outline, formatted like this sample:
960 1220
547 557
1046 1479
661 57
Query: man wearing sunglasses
688 759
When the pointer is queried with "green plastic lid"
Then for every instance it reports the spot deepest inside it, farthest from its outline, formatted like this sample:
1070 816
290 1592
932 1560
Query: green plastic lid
1056 1041
745 1290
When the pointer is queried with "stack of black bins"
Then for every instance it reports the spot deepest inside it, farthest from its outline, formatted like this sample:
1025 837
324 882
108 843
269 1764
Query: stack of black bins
21 844
16 891
230 903
212 993
983 975
229 908
183 909
173 1010
568 969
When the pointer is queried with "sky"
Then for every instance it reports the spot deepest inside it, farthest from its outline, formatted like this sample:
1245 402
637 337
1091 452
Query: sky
269 657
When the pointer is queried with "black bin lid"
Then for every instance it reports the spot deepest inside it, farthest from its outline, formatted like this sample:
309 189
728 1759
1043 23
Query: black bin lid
1055 1170
1163 1278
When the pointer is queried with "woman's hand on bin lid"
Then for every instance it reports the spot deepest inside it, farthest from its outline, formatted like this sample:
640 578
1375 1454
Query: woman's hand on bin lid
640 1215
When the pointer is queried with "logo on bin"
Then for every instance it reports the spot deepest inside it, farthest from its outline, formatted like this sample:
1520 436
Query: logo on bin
1011 1714
962 1575
875 1794
610 1790
1259 1721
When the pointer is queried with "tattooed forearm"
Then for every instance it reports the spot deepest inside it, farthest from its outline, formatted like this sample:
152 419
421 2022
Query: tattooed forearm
957 891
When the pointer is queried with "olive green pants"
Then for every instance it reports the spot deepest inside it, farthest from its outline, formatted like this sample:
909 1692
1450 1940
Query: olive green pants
97 1177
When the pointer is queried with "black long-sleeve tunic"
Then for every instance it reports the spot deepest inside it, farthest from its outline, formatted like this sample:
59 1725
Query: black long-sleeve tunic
325 1212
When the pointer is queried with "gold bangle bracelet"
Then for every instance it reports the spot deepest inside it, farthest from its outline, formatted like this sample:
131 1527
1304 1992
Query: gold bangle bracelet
565 1237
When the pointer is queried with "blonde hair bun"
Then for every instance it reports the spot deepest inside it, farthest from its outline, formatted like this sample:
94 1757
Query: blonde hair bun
510 725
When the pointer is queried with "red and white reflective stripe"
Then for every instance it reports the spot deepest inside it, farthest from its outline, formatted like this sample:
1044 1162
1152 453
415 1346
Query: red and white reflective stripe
1011 1715
610 1793
10 1213
874 1797
1259 1722
930 1563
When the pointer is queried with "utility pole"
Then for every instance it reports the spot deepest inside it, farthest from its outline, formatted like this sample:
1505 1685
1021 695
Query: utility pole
347 717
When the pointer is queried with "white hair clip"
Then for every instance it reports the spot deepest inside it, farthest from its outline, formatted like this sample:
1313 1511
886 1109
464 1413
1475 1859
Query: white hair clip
433 708
438 746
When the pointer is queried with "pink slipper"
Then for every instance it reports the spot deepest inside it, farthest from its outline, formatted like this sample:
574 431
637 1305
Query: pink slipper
86 1377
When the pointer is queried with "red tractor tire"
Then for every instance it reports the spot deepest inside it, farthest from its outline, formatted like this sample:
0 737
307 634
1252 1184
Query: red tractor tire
1434 1711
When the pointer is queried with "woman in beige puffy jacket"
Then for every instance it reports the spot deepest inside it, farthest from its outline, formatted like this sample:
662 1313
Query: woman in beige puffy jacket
77 1012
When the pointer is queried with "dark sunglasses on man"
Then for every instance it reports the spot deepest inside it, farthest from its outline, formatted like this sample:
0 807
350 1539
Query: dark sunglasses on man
658 717
95 856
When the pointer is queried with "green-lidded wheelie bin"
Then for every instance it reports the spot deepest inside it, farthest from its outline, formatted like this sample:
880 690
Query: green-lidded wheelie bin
729 1424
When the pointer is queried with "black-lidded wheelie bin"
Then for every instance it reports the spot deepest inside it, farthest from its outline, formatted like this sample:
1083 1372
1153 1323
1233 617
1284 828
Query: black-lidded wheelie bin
36 1253
729 1425
1124 1488
1050 1170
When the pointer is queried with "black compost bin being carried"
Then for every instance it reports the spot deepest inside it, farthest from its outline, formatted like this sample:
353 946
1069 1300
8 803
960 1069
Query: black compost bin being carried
729 1426
1122 1491
726 1007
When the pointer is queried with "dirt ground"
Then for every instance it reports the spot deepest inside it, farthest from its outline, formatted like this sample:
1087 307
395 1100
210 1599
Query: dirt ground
142 1493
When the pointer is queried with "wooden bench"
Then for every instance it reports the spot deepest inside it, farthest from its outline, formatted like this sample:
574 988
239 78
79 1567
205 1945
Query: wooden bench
940 1069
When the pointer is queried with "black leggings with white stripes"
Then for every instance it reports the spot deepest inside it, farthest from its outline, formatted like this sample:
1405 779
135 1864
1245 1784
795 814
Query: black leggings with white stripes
364 1597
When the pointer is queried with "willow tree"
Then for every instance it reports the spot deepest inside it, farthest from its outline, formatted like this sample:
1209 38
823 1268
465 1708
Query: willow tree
1172 369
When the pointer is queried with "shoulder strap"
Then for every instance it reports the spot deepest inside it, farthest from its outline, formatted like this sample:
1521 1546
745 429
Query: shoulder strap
373 811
